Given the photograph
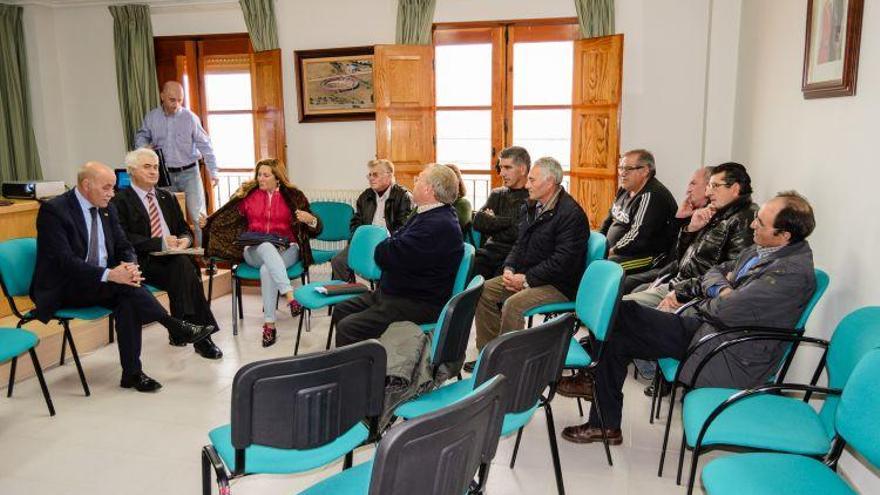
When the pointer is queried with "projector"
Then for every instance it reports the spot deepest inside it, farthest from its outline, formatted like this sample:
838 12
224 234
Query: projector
32 189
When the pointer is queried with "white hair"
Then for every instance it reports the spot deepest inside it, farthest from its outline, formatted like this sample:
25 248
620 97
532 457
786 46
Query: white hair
134 159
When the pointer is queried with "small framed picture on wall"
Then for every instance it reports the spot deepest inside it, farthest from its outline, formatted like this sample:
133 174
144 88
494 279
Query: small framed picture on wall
831 48
335 84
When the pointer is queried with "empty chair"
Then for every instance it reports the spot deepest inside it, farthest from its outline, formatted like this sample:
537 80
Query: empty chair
435 454
14 342
360 259
855 423
336 218
531 360
294 414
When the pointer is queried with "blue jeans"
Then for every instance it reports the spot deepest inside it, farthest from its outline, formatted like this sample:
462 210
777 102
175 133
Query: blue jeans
189 182
273 273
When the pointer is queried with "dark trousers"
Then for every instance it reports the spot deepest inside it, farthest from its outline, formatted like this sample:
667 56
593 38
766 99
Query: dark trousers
368 315
181 278
133 307
638 332
489 260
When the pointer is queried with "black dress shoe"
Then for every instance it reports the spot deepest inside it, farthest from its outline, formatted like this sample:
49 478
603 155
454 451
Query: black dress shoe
469 366
184 332
208 349
140 382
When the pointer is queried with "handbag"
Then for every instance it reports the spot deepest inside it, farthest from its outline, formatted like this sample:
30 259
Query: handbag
257 238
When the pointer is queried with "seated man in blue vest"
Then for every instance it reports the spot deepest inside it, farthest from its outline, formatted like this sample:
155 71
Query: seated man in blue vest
419 263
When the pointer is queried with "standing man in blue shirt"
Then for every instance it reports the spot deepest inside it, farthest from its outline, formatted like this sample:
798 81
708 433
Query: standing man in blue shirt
179 134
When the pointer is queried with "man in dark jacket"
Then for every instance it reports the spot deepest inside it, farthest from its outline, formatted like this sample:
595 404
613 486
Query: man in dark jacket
639 227
497 220
384 203
547 261
768 285
715 234
152 220
419 263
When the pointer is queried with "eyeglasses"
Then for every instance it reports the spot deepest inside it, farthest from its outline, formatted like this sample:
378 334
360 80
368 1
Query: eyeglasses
715 185
376 175
629 168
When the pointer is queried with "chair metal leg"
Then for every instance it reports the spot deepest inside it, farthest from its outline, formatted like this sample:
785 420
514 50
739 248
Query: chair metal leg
681 458
212 269
329 335
240 303
210 458
516 447
39 371
79 369
349 460
580 406
695 459
299 330
655 385
531 318
666 434
63 345
602 427
554 449
235 314
11 376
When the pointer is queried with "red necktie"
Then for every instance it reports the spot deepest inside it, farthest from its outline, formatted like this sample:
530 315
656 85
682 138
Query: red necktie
155 223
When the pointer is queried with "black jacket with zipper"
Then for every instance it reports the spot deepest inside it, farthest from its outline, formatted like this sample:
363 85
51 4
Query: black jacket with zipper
397 208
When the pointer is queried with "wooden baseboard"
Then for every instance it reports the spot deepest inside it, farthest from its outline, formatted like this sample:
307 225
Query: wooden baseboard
88 335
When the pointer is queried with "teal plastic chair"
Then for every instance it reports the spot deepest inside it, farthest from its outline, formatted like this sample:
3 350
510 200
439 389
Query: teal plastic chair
759 420
855 422
14 342
531 360
473 237
361 259
18 259
436 454
669 367
597 246
294 414
336 219
461 279
450 338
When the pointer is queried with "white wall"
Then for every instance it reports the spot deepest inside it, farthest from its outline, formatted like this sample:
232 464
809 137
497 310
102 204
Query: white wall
665 85
825 148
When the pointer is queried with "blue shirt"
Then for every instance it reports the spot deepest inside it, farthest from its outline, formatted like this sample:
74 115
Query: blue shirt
85 204
180 136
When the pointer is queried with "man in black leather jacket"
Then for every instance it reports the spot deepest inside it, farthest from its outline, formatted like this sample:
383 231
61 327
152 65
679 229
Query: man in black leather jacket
715 234
396 203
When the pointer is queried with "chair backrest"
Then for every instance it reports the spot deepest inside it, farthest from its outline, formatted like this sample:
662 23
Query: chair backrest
822 281
439 453
336 219
303 402
18 258
860 406
473 236
362 249
530 359
856 335
453 328
598 296
464 269
597 247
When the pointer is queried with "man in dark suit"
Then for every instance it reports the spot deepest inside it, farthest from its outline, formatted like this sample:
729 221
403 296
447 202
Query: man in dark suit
152 221
84 259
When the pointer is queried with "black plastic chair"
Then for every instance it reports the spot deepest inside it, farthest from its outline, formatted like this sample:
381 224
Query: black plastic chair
294 414
436 454
453 330
532 362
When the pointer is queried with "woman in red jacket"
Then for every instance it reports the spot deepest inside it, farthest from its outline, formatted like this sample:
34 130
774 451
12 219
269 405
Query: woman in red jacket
268 205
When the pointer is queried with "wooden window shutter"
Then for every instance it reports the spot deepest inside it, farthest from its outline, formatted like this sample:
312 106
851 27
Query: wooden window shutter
595 126
404 92
268 102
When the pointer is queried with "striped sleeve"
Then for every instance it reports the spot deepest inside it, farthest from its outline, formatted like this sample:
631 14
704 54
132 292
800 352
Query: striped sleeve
632 236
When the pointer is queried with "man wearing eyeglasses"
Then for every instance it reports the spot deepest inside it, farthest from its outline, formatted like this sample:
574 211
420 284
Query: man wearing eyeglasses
639 227
766 287
384 203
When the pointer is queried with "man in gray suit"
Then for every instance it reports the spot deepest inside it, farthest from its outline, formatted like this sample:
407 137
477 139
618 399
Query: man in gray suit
767 286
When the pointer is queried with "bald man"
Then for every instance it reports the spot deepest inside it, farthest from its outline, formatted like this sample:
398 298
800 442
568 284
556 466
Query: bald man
178 132
84 259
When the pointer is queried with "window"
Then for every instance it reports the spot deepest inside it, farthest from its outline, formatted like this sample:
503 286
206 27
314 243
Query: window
498 85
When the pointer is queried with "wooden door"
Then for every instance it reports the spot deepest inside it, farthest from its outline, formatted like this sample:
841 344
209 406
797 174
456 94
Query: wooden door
404 91
268 104
595 127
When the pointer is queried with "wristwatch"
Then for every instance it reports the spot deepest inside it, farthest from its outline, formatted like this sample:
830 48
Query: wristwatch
525 283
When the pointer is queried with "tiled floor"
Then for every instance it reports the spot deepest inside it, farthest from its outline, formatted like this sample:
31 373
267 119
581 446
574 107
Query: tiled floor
119 441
